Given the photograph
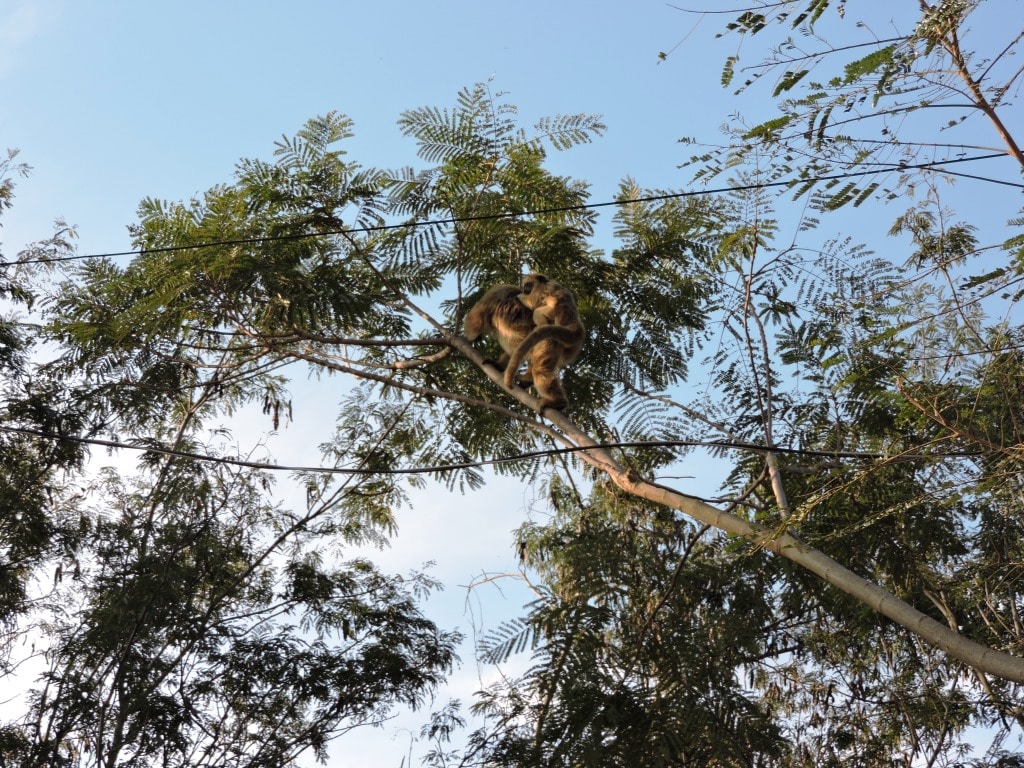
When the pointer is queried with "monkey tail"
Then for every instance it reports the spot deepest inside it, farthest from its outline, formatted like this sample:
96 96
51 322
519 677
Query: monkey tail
563 335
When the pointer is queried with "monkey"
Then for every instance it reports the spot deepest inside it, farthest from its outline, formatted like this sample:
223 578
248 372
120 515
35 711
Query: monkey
546 309
555 342
501 315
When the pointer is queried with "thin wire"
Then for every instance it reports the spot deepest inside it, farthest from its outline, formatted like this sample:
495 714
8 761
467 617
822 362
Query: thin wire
512 215
455 220
985 178
732 445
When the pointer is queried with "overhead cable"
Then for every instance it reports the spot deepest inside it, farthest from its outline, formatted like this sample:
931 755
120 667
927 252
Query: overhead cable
712 445
517 214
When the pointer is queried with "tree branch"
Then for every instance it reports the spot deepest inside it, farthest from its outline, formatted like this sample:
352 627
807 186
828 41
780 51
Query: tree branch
973 654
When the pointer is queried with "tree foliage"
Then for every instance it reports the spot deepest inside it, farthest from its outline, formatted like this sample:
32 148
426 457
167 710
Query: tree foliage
875 99
182 615
849 596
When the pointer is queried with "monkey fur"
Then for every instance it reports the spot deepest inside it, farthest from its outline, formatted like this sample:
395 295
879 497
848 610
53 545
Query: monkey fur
501 315
555 342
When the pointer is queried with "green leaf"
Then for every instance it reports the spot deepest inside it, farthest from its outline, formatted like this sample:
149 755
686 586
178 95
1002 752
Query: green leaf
788 80
868 64
729 69
768 130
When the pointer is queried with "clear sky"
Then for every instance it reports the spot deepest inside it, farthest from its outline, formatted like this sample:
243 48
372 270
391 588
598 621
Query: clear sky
114 100
111 101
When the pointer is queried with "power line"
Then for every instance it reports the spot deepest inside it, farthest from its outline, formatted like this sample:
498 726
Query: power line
986 179
512 215
527 456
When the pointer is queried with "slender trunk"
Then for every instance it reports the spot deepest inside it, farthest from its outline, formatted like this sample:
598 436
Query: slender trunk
973 654
952 46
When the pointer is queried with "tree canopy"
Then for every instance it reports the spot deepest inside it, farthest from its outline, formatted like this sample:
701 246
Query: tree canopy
849 596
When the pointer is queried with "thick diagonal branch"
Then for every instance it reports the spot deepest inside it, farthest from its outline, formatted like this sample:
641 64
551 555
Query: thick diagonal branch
973 654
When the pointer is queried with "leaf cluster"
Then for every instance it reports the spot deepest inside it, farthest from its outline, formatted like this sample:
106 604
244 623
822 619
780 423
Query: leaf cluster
186 628
634 650
850 98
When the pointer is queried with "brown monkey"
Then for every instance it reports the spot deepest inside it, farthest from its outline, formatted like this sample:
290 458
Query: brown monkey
501 315
553 344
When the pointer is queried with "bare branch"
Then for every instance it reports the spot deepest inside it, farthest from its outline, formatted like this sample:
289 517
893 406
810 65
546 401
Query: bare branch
975 655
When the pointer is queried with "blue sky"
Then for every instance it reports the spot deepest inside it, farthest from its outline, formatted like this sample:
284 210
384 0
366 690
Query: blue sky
112 101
